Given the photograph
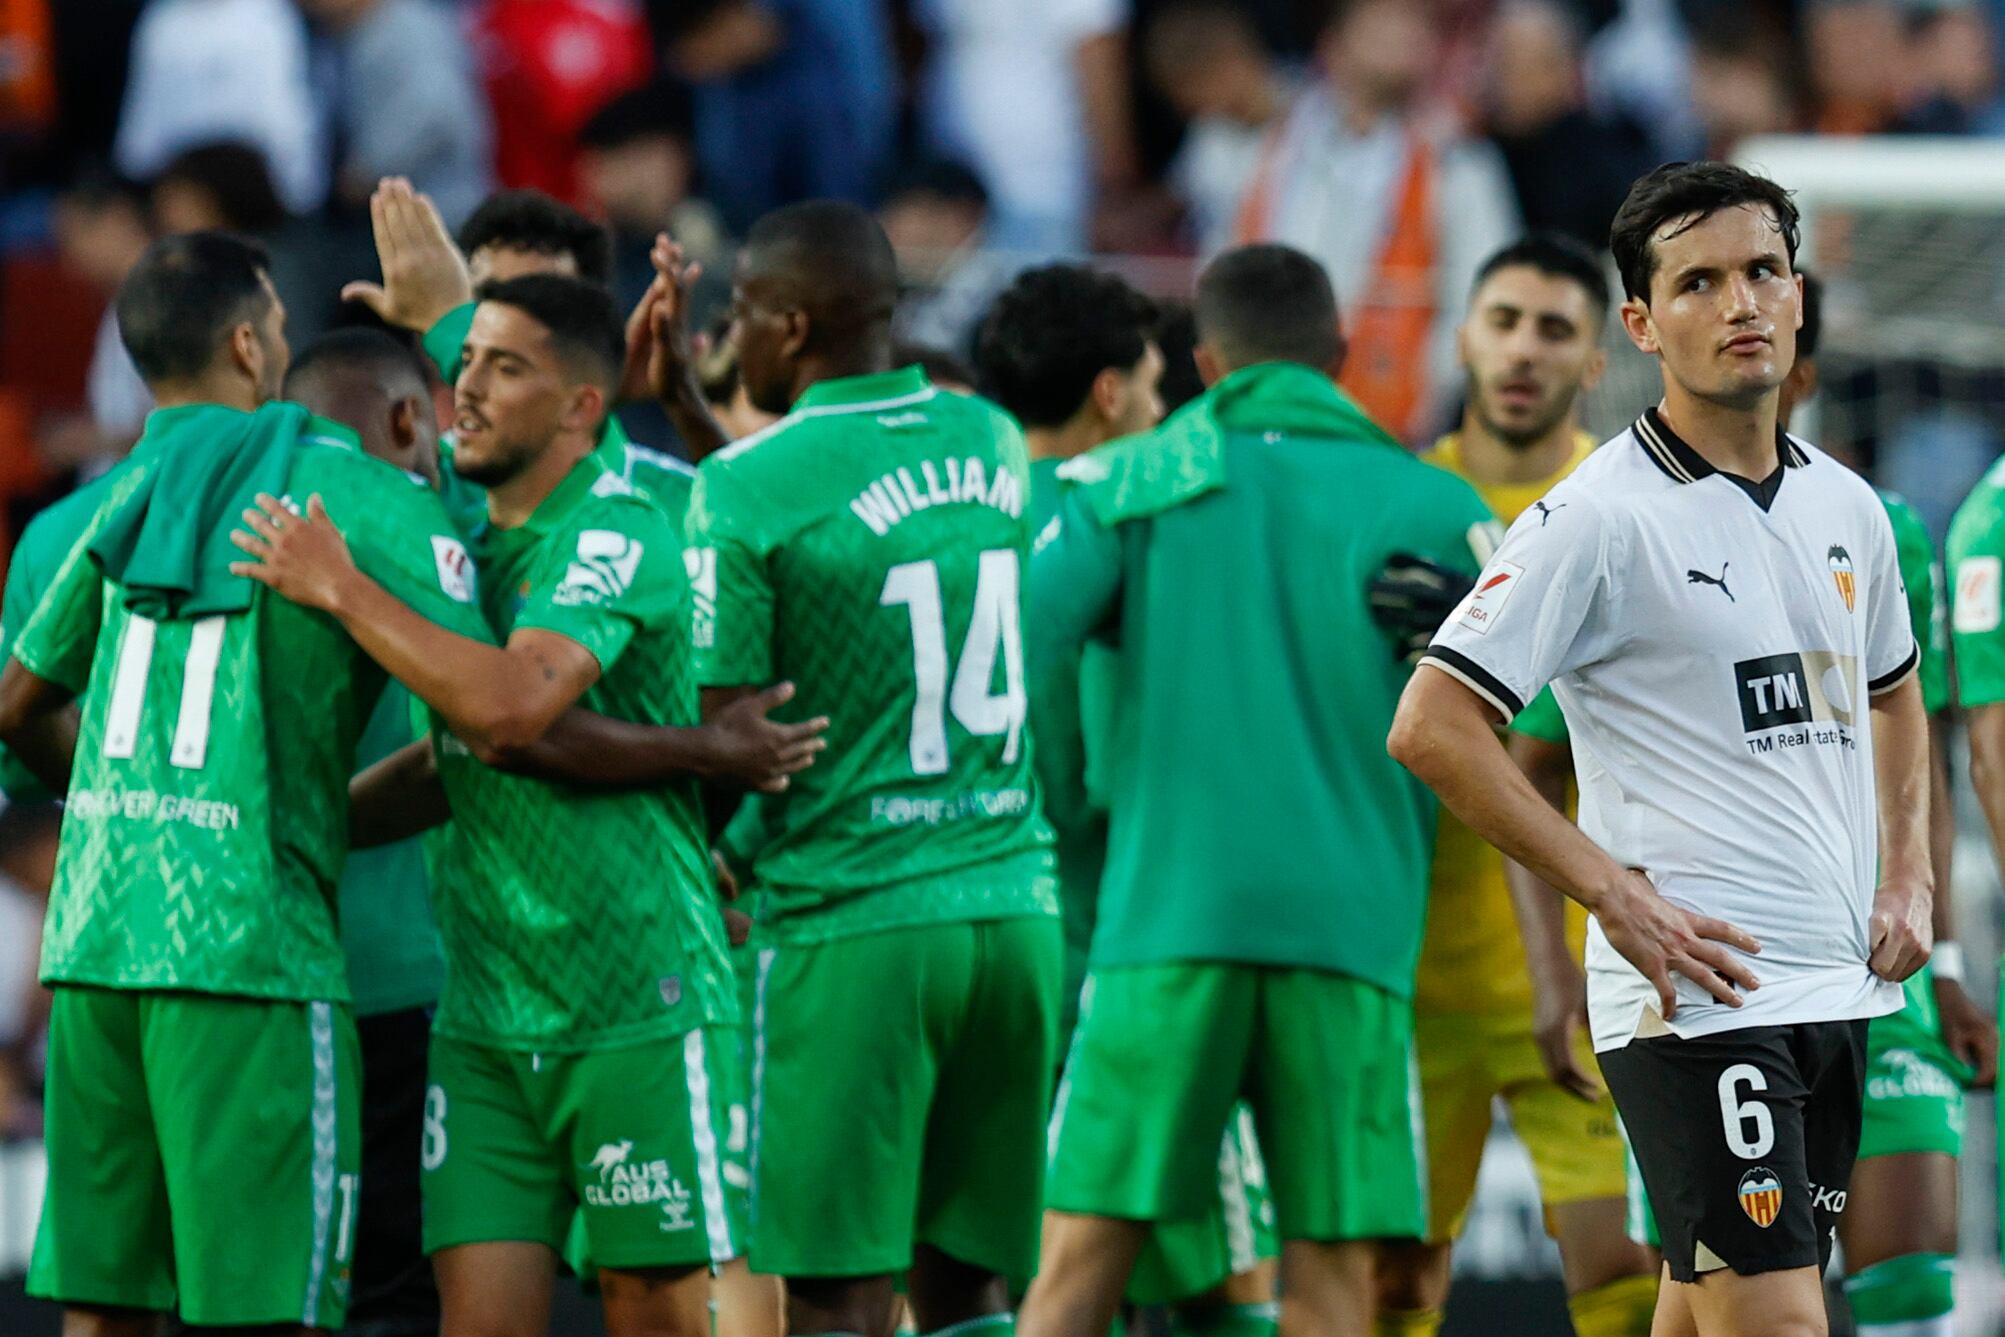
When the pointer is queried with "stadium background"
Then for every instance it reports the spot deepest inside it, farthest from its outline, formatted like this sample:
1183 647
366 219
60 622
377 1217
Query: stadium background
992 135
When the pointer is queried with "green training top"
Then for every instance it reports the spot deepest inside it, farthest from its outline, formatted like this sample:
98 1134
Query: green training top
578 919
869 546
1255 815
208 807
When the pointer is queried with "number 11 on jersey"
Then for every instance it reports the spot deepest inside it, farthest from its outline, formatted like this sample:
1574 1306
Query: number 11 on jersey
993 632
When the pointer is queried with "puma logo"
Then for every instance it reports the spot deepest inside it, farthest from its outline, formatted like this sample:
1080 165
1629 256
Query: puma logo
1545 511
1701 578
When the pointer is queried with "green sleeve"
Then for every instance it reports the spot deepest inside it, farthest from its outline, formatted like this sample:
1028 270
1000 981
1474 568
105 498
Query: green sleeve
1976 555
730 584
28 576
1542 720
447 336
1921 573
614 572
401 538
60 637
1075 578
750 829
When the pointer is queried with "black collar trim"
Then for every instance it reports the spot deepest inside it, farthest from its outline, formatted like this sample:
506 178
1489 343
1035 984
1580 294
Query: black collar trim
1679 462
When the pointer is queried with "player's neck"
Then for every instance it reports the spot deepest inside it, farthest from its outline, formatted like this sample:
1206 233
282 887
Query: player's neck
1067 439
869 358
1490 460
231 392
1731 438
510 504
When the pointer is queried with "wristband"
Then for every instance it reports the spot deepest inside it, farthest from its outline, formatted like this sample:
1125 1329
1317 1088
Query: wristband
1947 961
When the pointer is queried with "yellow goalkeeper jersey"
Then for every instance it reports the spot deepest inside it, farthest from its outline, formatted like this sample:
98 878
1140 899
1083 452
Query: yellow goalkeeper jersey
1472 959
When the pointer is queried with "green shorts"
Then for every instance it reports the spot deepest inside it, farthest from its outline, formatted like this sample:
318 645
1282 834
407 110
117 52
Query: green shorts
632 1140
205 1154
1914 1085
900 1085
1184 1259
1163 1051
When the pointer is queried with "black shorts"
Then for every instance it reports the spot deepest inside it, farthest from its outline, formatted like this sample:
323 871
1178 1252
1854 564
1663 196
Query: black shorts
1746 1140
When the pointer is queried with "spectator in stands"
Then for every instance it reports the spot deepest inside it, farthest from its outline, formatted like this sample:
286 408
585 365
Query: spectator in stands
1955 55
101 231
222 185
1857 74
1639 65
204 70
937 216
1571 167
1207 59
1741 84
795 99
548 65
1033 94
1399 208
637 171
405 102
27 870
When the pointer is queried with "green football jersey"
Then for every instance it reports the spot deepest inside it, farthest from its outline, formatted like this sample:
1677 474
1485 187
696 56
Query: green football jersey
208 805
870 548
1254 815
583 918
387 932
1976 553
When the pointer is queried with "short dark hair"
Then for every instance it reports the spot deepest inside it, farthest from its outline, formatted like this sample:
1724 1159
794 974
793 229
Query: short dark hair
663 107
835 257
237 178
1694 190
1051 332
183 297
582 320
96 189
529 220
1812 328
1267 303
382 355
1554 254
942 179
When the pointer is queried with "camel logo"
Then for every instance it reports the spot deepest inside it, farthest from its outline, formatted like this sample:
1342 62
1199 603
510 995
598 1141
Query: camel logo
602 570
1761 1196
1701 578
611 1156
1842 575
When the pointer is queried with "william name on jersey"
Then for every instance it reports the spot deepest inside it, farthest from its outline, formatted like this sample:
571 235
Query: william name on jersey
896 495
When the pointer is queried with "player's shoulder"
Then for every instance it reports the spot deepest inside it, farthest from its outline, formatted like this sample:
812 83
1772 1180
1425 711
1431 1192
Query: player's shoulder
647 460
617 505
1979 520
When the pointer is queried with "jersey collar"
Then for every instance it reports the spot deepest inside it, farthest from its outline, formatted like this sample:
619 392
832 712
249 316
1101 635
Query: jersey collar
886 388
1679 462
572 490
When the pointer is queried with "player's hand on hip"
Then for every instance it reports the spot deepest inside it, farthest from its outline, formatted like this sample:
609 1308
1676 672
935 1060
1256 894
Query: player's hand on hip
424 275
302 556
1900 935
1970 1035
1662 940
1559 1013
760 752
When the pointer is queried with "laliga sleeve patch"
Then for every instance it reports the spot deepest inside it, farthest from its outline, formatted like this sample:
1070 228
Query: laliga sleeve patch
1485 604
1976 595
455 568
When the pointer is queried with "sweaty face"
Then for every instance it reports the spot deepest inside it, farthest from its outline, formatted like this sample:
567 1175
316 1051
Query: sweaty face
509 401
1141 405
762 330
1528 348
1724 306
495 263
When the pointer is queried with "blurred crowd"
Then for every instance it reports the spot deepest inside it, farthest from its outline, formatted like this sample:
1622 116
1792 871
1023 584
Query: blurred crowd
1399 141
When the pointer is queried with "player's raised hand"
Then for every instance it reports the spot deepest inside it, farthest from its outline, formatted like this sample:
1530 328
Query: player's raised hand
424 275
1662 940
302 556
759 752
1899 934
672 349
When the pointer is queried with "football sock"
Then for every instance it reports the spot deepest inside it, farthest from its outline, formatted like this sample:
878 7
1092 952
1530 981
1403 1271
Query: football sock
1407 1323
1622 1308
1220 1320
1913 1295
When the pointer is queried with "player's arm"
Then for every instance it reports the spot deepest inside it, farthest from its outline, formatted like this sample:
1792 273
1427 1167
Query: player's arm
397 798
661 353
1559 985
48 665
738 742
38 723
425 277
501 701
1900 932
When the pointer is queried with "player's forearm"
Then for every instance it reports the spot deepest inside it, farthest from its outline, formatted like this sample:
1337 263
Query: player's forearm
38 723
689 413
490 698
1901 765
1444 735
586 748
397 798
1941 828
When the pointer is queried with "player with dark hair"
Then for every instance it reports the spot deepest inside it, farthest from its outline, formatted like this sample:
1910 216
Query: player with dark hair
571 1059
1230 557
203 1132
1530 345
1716 604
869 546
